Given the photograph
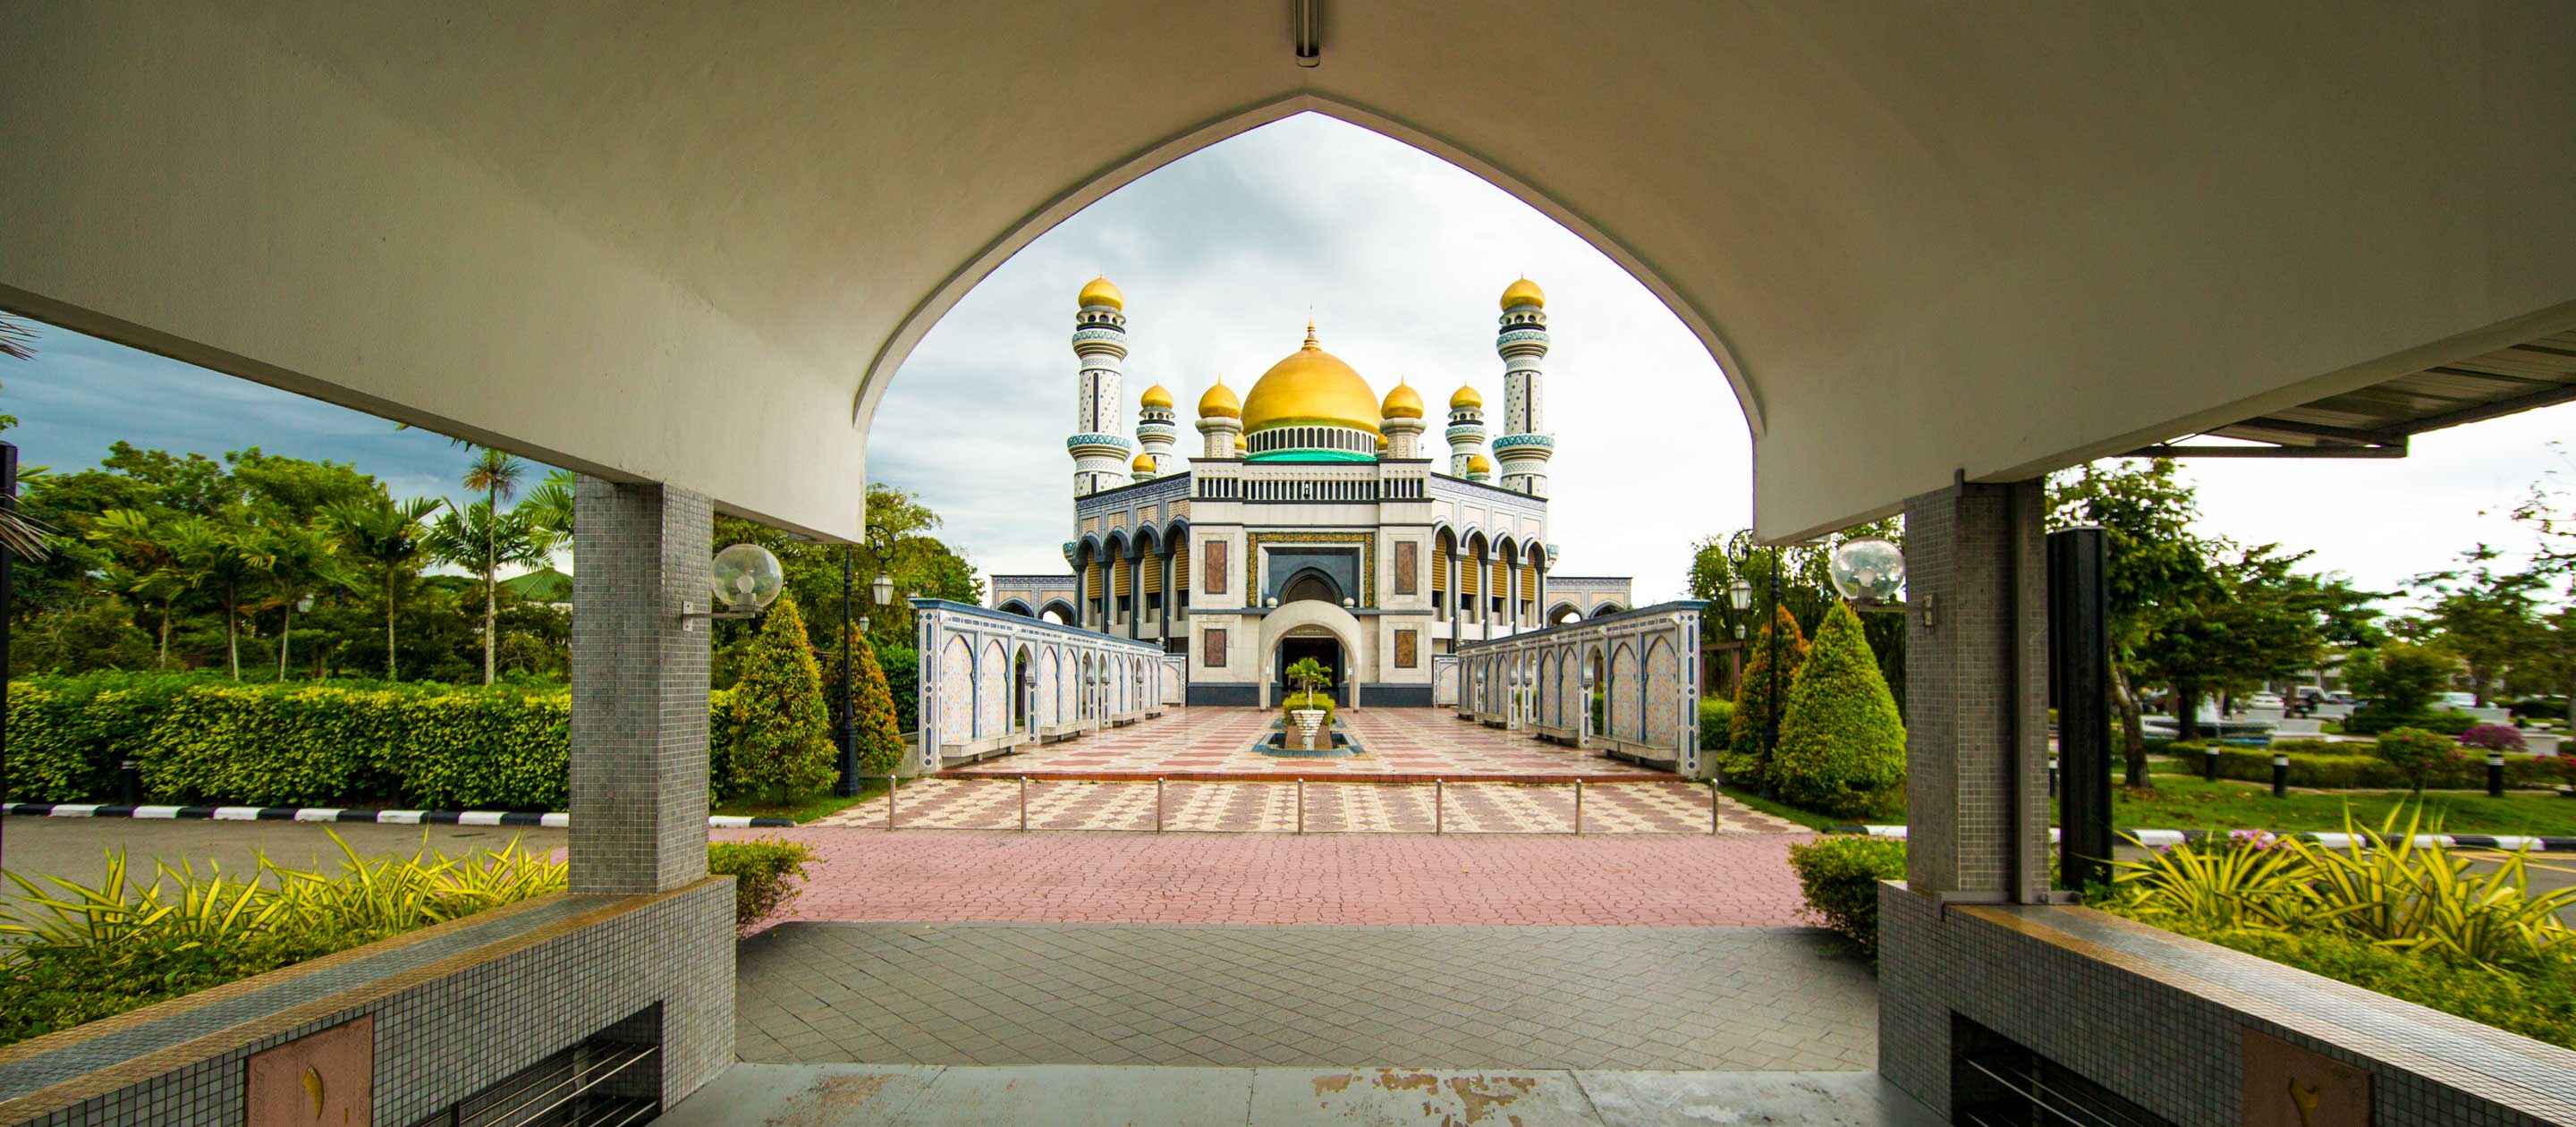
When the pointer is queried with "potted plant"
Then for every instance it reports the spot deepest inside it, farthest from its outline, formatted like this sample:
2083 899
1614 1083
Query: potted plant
1308 708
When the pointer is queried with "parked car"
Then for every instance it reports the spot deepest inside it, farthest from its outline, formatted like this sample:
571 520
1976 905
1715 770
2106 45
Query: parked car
2263 700
2341 697
2459 700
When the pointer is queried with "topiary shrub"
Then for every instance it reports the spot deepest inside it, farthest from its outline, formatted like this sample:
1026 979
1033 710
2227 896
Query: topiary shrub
880 742
903 680
1753 695
1716 723
1842 746
2492 737
766 874
1839 877
2419 755
1296 701
781 733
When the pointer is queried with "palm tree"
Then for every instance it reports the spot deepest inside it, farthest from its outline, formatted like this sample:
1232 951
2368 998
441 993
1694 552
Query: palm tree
479 541
550 504
155 576
303 561
497 475
226 562
392 535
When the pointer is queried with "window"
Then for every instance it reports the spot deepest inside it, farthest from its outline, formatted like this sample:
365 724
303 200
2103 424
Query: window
1214 649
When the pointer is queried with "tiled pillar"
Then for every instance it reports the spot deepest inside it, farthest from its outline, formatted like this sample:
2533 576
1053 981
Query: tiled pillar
1976 652
639 687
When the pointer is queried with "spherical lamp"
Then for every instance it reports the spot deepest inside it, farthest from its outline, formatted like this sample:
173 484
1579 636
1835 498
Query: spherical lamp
746 578
1868 570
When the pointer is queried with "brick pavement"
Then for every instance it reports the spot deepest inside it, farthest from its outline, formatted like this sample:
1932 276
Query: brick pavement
1651 880
1645 806
1341 997
1210 743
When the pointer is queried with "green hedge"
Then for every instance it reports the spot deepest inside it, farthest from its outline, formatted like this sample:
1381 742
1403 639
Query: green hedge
1840 876
206 739
1716 724
765 873
2535 999
2365 771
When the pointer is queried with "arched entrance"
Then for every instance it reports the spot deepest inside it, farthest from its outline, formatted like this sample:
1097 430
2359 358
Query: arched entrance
1311 624
1311 642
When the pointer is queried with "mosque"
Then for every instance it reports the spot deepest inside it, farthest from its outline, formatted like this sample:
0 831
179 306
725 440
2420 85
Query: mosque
1311 522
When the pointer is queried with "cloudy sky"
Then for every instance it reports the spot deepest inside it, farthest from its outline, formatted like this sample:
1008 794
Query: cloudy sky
1399 258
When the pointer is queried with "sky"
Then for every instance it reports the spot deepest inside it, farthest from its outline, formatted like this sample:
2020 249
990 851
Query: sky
1399 258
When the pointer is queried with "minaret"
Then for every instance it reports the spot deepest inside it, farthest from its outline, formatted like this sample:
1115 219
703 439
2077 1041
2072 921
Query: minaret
1466 433
1221 422
1100 343
1524 446
1401 420
1156 429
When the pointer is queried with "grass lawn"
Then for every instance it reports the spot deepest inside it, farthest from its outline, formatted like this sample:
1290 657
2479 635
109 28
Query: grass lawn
806 807
1751 797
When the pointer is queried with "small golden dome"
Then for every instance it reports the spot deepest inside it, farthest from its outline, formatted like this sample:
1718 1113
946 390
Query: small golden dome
1402 403
1220 403
1101 292
1311 387
1156 396
1466 397
1240 443
1144 463
1523 292
1381 444
1478 463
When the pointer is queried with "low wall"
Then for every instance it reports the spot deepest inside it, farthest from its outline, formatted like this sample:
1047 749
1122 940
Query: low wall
2162 1021
456 1009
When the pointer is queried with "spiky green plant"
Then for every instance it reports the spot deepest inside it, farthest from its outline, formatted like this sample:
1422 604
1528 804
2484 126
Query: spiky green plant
2401 894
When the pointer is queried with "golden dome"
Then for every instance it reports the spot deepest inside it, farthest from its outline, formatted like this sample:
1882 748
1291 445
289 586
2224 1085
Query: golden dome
1523 292
1144 463
1402 403
1240 443
1381 444
1466 397
1156 396
1101 292
1311 386
1220 403
1478 463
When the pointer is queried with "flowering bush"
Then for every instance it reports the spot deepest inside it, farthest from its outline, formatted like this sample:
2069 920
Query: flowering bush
2418 754
2493 737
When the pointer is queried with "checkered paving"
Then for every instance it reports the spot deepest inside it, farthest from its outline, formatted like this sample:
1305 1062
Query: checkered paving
1330 807
1215 743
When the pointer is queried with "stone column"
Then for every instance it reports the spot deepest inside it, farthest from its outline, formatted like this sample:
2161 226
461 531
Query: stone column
1976 653
639 687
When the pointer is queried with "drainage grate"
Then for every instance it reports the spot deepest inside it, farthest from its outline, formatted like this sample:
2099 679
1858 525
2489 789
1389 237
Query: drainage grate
612 1079
1995 1082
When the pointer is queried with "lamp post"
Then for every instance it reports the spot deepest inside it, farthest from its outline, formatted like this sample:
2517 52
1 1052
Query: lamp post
1771 678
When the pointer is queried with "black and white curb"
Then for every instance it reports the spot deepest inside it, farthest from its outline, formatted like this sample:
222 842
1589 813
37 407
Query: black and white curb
337 814
2505 842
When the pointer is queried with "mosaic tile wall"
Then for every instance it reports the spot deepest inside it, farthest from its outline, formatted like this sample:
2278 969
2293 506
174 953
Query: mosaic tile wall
1663 693
448 1038
2159 1019
639 701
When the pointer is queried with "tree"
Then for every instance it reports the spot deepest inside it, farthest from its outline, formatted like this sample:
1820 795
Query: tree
484 543
394 536
1842 746
2152 561
2254 618
154 576
876 726
2550 666
301 564
549 505
225 562
781 742
2397 682
2484 615
496 476
1754 694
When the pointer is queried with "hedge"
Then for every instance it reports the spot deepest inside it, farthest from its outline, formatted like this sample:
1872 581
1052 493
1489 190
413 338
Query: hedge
2366 771
1716 724
203 739
1840 876
761 869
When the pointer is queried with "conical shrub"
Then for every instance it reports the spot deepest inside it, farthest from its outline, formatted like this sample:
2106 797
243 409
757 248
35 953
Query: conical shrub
1842 745
782 733
1753 696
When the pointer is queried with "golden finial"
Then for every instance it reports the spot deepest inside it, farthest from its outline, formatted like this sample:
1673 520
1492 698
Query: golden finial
1311 342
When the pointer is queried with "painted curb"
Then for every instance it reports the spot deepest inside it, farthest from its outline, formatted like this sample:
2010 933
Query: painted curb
337 814
2329 840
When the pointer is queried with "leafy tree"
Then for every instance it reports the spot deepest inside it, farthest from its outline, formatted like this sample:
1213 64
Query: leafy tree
99 634
781 742
301 565
1753 695
2418 754
876 728
484 543
2550 665
225 562
2397 682
550 505
392 535
919 563
2484 614
1842 746
2254 619
2152 561
154 576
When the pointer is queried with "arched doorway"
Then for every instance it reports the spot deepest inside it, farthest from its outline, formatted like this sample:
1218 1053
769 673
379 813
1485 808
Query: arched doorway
1317 643
1023 682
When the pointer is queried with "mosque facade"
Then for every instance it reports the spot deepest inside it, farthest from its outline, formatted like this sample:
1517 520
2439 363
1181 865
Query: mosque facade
1310 519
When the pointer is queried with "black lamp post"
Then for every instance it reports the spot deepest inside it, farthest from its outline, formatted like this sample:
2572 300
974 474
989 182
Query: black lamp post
846 734
1771 679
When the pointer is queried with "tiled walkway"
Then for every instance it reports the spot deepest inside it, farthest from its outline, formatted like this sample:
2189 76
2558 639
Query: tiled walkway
1330 807
1637 880
1211 743
1519 998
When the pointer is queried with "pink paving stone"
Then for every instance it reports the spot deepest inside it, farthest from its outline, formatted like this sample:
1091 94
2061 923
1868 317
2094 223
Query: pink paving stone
1206 742
1472 879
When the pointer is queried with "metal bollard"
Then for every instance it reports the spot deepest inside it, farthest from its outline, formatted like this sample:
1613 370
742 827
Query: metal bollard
1712 806
129 781
1439 807
1158 806
890 781
1024 803
1301 806
1578 808
2280 775
2495 774
2209 764
2052 776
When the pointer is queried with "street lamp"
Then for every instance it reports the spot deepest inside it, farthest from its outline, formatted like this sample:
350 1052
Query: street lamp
1740 595
846 733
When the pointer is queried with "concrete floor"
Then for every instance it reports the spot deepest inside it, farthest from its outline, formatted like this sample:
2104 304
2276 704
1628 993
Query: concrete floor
801 1095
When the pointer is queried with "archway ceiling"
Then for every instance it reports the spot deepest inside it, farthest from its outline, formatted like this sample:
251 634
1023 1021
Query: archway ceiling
672 241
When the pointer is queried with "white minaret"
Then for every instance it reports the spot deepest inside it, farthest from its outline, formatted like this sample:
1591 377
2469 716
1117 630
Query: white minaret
1157 427
1100 343
1466 433
1221 422
1524 446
